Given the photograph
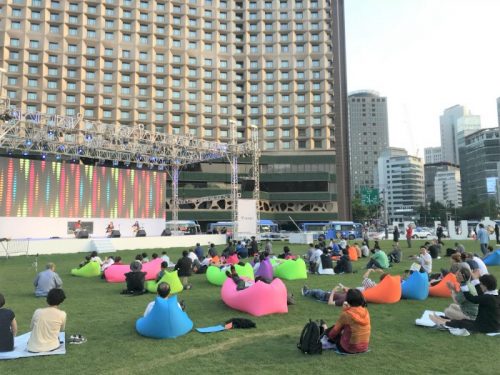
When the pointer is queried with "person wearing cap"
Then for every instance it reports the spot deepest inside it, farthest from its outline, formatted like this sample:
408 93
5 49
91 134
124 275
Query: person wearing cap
47 280
135 279
47 323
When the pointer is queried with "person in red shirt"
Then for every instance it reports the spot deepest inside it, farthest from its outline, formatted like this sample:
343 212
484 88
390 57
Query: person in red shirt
409 235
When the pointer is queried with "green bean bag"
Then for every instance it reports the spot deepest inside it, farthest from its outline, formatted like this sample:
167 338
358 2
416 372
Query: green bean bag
291 269
171 278
217 276
91 269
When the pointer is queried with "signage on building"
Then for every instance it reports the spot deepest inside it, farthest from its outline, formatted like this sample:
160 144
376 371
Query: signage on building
491 185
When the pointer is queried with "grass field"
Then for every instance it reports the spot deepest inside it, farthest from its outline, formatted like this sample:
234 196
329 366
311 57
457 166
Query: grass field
98 311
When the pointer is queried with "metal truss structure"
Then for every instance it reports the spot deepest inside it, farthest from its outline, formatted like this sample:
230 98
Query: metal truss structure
75 137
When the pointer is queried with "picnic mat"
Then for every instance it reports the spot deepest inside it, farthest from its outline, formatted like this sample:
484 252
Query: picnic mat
20 351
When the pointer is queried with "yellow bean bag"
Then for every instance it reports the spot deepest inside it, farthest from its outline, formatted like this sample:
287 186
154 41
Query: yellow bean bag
171 278
91 269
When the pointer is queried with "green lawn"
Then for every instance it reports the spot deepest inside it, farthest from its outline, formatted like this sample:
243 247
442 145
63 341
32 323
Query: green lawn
98 311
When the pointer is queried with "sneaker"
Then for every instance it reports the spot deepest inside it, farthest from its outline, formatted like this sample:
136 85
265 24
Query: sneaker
77 339
304 290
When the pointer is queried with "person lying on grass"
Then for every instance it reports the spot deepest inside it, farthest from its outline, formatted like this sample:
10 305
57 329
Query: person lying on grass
488 315
337 295
351 332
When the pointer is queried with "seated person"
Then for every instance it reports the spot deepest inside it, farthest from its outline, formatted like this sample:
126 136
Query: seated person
488 301
241 250
475 263
47 323
108 262
326 260
95 258
457 263
200 253
240 283
77 227
435 250
315 259
47 280
351 332
8 327
163 291
145 257
461 308
135 279
109 229
163 270
395 255
378 260
286 253
135 227
85 261
194 259
424 260
118 261
365 251
344 264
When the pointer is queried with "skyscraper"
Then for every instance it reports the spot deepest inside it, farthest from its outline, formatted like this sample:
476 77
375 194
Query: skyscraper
368 136
400 179
456 122
191 67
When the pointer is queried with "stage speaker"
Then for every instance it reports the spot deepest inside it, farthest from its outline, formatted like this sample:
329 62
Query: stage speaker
141 233
166 232
82 234
115 233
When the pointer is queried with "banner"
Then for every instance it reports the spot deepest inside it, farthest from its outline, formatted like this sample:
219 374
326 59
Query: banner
247 218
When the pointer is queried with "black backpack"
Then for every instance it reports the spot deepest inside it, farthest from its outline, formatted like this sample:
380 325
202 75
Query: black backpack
310 338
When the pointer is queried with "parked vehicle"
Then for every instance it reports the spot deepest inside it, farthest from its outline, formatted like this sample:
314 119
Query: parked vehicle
421 232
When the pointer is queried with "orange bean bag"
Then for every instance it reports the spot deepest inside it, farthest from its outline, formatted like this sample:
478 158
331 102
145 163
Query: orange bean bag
441 289
353 253
387 291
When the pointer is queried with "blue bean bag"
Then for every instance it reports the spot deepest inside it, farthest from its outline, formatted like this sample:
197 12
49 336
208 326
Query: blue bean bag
493 259
166 320
416 286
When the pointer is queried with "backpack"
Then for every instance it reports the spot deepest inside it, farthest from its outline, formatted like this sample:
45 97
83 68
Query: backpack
310 342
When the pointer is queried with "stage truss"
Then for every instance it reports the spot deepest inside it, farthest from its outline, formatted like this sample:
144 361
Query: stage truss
76 137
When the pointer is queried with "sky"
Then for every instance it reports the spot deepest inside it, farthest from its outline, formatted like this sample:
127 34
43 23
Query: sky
425 56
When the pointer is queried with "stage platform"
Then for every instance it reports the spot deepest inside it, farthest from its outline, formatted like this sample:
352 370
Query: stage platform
79 245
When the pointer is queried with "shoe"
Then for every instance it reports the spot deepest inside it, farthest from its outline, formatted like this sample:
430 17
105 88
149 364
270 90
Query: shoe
77 339
304 290
438 257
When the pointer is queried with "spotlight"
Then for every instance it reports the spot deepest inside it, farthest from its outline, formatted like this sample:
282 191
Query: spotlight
139 165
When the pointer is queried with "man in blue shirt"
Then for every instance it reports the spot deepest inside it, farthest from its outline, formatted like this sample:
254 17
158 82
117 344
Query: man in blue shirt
200 253
46 280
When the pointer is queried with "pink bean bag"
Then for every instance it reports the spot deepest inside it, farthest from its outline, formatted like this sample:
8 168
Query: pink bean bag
116 273
257 300
387 291
233 259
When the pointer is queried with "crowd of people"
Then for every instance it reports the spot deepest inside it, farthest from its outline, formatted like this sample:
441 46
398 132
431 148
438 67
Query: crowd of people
475 307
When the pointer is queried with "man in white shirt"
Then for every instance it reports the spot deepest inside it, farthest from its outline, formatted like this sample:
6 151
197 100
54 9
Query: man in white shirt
315 259
424 259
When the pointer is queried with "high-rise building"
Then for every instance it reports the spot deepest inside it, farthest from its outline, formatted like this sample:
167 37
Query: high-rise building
479 168
433 155
498 111
368 136
448 189
192 67
400 179
431 170
450 137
